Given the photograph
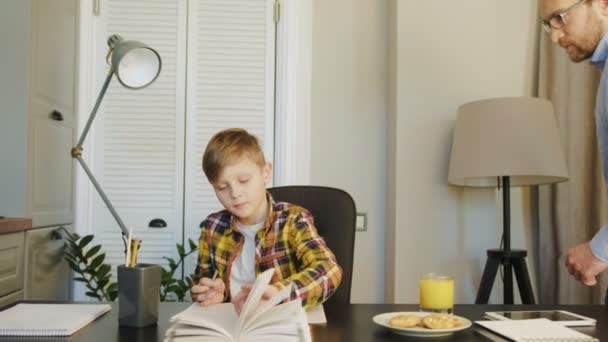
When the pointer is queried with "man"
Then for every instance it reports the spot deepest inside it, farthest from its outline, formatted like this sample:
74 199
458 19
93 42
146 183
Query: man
580 27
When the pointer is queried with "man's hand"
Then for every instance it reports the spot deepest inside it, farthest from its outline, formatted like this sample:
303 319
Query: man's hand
208 291
241 297
583 265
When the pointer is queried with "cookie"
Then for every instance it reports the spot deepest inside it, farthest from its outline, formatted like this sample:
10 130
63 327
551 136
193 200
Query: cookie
405 321
440 322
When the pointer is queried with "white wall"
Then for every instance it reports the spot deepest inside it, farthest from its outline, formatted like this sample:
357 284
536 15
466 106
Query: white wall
446 53
348 123
14 38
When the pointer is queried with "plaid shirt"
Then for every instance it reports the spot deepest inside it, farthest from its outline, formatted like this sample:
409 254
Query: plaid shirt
288 242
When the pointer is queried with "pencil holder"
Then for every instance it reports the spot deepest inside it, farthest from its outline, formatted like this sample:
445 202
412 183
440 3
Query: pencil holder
138 295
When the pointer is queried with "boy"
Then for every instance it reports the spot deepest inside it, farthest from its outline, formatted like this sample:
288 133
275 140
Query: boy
254 233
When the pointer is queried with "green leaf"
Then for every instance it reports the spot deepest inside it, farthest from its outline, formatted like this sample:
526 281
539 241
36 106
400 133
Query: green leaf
180 249
103 270
73 246
81 279
103 282
92 251
171 263
69 257
97 261
73 265
112 295
112 287
85 241
193 246
93 294
169 281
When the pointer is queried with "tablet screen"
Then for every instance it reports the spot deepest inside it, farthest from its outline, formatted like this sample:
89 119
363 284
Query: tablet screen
551 315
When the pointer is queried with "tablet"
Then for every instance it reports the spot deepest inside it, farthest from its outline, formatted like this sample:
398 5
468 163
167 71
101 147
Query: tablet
558 316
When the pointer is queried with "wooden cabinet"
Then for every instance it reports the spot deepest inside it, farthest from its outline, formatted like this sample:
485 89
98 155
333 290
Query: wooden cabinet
32 266
11 268
11 298
11 263
47 274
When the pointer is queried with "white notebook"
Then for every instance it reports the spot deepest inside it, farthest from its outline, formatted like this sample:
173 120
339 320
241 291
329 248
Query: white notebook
48 319
535 330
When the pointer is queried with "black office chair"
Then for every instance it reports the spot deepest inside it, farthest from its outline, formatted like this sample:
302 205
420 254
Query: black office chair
335 218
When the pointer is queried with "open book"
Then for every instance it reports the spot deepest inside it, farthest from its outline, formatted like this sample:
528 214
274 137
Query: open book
258 321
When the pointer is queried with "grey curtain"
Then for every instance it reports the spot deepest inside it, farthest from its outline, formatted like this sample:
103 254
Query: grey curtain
571 212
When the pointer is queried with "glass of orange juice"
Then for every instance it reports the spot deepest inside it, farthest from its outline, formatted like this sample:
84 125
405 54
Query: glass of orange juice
437 293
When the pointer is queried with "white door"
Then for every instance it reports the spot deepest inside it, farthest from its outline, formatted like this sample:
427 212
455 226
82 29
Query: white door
231 67
138 142
217 72
53 41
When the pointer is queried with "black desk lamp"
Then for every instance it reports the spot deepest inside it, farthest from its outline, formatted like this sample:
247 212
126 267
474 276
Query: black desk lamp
504 142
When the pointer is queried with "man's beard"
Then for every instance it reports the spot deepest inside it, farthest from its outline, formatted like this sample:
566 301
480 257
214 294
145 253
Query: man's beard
580 55
585 49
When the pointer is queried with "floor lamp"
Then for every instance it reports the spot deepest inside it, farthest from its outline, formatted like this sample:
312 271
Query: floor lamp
136 66
506 142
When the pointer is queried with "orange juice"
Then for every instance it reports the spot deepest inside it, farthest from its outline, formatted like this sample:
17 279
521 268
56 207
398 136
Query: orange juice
436 293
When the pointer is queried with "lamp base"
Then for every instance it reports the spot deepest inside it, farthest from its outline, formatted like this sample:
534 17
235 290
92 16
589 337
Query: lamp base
514 258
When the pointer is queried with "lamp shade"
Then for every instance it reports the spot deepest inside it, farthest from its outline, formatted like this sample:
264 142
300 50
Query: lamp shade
136 65
516 137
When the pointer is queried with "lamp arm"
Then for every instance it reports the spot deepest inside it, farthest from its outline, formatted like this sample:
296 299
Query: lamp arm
95 108
105 199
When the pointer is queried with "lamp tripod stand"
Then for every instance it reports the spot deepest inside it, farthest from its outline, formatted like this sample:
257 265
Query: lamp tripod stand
510 259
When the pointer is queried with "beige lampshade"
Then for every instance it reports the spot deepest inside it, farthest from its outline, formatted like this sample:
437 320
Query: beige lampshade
516 137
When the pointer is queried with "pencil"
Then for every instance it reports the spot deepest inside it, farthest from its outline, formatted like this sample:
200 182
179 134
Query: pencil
207 293
128 256
134 250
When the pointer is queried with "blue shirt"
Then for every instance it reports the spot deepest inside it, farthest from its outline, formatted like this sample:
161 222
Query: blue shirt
599 243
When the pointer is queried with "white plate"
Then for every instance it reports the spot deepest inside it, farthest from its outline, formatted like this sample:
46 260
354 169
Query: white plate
382 319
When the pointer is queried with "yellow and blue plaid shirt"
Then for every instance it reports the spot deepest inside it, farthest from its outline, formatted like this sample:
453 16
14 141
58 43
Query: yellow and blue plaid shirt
288 242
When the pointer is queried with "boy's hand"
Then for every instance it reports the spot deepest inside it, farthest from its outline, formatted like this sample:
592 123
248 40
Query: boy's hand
208 291
240 299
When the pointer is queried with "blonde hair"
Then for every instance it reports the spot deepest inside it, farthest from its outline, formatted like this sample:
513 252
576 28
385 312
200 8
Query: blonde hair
228 146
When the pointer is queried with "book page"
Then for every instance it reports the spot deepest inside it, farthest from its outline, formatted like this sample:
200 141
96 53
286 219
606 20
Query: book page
280 315
180 330
316 315
249 308
218 317
262 307
284 322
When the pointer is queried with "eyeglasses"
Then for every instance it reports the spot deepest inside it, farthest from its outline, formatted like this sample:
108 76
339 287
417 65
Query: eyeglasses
558 20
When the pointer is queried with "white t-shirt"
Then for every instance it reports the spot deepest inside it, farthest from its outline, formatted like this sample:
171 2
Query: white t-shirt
243 269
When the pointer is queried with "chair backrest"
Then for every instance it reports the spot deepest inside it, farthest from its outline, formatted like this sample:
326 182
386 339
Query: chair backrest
335 219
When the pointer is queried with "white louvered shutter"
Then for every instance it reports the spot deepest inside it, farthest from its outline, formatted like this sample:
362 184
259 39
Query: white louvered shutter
139 134
231 46
218 72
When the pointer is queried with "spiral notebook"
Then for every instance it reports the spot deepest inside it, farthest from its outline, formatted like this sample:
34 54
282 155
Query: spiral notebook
535 330
48 319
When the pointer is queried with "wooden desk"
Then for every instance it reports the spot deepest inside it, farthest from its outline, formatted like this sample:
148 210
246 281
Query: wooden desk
344 323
